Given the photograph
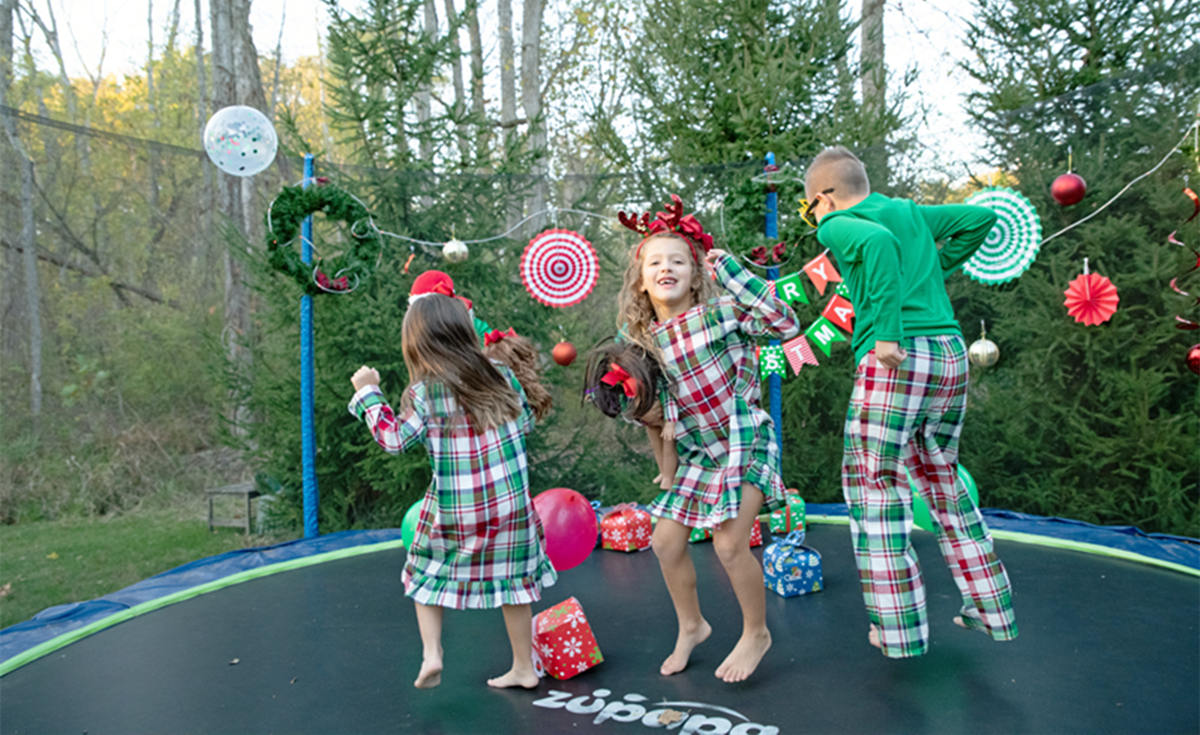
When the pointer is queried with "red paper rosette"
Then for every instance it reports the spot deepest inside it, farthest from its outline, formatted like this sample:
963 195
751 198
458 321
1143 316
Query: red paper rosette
559 268
1091 299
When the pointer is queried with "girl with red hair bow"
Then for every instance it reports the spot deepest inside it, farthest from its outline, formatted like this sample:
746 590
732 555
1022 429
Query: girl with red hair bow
623 381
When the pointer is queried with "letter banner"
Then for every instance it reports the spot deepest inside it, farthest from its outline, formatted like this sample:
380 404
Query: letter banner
791 289
821 272
840 312
799 353
824 334
771 360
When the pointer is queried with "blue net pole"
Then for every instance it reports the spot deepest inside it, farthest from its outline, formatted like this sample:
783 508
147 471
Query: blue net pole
307 434
774 382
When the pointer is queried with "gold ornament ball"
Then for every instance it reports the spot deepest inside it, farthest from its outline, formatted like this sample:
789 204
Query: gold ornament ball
455 251
983 352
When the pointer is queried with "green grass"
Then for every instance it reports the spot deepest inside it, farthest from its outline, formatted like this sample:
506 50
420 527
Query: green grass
53 562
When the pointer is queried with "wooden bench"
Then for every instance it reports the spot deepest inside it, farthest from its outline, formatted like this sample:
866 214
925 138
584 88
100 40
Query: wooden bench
247 490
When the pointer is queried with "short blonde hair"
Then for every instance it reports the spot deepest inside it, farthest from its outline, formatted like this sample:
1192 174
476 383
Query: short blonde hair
838 167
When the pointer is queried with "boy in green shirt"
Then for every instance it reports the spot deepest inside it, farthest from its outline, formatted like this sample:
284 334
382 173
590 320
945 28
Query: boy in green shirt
909 398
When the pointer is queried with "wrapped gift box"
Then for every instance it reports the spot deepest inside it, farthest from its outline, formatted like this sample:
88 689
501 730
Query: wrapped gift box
790 568
790 518
626 528
706 534
563 640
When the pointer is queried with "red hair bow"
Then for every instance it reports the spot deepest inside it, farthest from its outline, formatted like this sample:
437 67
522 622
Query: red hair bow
496 335
617 376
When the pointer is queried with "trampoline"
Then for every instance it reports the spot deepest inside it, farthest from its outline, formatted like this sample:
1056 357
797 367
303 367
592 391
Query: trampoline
317 637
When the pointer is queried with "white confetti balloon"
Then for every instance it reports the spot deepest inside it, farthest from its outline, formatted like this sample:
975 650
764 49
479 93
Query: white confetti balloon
240 140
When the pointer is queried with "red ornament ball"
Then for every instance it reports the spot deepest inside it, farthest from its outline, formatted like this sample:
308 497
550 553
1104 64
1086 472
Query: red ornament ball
563 353
1068 189
1193 359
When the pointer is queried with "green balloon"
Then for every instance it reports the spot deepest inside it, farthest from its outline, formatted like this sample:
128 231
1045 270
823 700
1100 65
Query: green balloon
408 527
921 517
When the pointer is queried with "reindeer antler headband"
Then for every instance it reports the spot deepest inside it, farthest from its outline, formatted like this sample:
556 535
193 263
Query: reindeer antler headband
672 220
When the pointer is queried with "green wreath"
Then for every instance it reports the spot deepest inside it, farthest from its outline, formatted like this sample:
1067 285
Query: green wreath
288 211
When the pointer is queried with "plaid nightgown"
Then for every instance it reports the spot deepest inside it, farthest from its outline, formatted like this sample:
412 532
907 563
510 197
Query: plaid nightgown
478 543
723 437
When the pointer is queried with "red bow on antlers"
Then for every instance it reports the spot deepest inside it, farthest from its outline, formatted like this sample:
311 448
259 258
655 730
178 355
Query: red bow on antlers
672 220
617 376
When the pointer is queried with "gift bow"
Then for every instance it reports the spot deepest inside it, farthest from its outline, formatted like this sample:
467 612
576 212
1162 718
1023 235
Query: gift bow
621 508
496 335
795 538
618 376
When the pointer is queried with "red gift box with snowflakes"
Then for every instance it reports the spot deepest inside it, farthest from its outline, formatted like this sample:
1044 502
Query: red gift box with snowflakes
563 640
625 528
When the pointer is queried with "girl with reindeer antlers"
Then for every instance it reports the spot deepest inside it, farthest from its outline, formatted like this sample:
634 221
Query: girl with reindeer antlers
727 461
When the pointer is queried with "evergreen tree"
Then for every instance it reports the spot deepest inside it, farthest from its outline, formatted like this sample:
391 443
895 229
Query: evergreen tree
1091 422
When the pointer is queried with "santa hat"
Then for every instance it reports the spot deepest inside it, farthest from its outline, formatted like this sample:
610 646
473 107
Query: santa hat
435 282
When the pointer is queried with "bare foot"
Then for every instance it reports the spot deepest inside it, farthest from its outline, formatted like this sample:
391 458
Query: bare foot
430 674
873 637
970 622
687 640
514 678
743 659
657 479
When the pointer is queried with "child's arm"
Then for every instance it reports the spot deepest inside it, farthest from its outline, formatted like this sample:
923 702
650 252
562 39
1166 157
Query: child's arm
369 405
877 252
964 227
759 312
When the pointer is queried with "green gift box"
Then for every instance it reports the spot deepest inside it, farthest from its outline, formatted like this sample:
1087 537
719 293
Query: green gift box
790 518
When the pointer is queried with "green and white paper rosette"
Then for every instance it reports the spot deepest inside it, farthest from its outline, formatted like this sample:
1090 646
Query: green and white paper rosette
1012 244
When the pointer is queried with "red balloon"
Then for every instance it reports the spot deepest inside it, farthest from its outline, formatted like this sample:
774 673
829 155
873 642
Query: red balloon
563 353
1193 359
1068 189
570 525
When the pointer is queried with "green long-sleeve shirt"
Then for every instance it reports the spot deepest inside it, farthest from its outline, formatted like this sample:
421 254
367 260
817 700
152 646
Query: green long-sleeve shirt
887 252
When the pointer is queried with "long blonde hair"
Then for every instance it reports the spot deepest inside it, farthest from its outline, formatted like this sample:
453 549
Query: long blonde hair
440 345
635 312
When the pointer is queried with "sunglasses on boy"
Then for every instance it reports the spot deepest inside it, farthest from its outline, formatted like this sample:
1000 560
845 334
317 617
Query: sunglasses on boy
807 207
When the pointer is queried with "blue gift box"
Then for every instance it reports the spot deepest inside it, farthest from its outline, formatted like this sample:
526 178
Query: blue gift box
790 568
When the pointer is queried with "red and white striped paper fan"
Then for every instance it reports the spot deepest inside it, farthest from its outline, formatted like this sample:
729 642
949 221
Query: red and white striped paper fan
559 268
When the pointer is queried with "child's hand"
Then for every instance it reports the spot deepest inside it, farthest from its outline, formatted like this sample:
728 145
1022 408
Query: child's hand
668 431
889 354
364 376
710 261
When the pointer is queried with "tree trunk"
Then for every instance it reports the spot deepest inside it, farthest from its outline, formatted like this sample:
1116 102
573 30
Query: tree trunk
225 57
10 305
483 137
203 243
531 99
425 107
460 106
152 103
32 290
508 75
874 84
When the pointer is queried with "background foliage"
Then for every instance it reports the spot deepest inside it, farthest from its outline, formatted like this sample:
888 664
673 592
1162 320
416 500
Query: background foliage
1096 423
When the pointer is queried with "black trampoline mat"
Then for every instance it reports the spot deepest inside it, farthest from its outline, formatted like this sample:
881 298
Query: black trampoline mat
1105 646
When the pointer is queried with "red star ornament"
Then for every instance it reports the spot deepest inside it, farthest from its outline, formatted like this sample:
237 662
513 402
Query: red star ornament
1091 298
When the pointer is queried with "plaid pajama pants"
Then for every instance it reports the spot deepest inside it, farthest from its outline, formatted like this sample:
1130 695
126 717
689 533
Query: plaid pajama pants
912 417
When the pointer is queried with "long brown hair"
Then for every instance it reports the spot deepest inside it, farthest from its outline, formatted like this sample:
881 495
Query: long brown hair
637 363
635 313
519 354
440 345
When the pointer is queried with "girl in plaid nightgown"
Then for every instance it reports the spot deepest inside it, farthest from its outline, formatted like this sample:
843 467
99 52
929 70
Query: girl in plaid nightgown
478 541
727 462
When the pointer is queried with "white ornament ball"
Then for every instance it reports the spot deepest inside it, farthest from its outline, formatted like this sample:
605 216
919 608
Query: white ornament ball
455 251
240 140
983 352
